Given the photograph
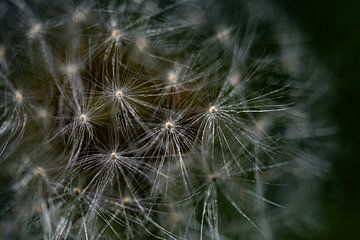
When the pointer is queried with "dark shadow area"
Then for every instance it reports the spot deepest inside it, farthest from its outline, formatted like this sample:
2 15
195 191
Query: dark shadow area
333 31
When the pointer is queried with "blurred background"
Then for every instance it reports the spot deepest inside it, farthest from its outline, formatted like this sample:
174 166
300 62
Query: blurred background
333 32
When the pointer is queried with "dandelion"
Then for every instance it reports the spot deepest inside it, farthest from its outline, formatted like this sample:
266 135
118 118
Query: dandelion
42 114
35 30
116 34
213 109
224 35
154 119
169 125
18 97
172 77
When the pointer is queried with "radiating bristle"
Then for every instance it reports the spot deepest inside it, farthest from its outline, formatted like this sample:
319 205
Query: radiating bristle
134 119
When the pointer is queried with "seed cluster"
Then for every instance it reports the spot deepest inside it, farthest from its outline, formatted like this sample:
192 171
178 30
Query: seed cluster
131 119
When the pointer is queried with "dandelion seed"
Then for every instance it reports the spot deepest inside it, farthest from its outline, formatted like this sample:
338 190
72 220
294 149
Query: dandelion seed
126 200
213 109
18 97
212 177
71 69
169 125
113 156
116 35
119 94
224 35
42 114
39 172
35 30
172 77
83 119
76 191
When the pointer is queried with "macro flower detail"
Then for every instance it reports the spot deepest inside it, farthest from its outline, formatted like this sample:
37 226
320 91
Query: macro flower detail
132 119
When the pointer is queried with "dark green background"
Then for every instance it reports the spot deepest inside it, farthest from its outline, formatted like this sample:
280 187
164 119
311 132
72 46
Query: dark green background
333 28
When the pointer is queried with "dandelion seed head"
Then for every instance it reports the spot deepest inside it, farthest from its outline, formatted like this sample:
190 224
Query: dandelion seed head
42 114
169 125
116 34
35 30
83 119
213 109
39 172
18 97
223 35
71 69
76 191
119 94
113 156
172 77
126 200
213 177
